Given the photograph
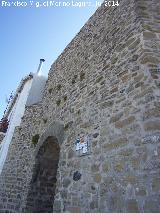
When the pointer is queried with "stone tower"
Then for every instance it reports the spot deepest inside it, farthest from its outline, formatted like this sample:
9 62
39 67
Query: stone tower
92 145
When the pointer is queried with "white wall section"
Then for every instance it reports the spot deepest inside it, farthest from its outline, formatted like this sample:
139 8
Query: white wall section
14 120
37 88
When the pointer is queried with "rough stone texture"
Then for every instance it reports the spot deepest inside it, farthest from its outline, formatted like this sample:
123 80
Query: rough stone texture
1 137
105 84
42 186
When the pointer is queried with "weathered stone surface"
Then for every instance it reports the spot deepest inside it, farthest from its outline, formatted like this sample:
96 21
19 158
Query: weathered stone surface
119 167
105 84
132 206
156 184
116 117
150 59
105 167
125 122
66 182
57 206
70 154
115 144
151 206
152 113
149 35
73 210
152 125
95 168
1 136
141 191
97 178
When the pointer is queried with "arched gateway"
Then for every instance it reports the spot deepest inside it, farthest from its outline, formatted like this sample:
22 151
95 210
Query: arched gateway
41 193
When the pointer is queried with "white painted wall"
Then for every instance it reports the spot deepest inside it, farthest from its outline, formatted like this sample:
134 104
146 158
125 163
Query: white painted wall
14 120
37 88
31 93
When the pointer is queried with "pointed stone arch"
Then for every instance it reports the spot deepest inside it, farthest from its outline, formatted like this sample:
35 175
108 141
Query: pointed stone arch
54 129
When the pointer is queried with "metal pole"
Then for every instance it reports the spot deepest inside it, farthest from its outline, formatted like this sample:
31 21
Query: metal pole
40 65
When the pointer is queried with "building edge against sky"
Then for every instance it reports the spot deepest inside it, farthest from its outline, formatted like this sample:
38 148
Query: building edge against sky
29 92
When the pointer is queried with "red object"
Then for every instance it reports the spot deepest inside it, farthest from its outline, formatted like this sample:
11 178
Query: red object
4 125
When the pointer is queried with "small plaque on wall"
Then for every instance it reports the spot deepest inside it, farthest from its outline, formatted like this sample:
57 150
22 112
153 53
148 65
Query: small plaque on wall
83 145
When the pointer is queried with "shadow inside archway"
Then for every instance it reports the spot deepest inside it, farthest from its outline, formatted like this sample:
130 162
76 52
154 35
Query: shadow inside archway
42 188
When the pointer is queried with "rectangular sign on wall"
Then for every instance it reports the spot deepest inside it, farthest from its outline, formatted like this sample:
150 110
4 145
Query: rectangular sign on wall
82 145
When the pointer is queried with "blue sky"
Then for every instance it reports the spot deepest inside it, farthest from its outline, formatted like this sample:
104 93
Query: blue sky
30 33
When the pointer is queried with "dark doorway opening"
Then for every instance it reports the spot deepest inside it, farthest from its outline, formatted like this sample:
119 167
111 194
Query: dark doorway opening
42 189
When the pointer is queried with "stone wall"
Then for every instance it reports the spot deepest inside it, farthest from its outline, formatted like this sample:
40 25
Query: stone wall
105 84
14 180
1 136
